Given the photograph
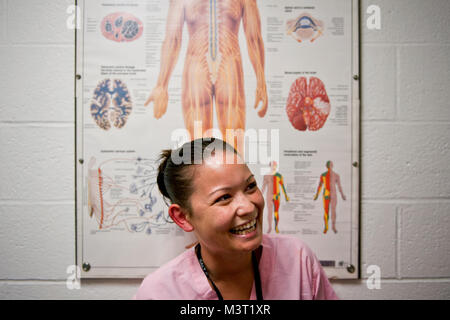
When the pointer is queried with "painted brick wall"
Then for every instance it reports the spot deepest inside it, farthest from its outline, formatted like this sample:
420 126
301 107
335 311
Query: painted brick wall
405 182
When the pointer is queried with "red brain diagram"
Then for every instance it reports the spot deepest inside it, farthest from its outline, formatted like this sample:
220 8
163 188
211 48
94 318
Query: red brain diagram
308 105
121 27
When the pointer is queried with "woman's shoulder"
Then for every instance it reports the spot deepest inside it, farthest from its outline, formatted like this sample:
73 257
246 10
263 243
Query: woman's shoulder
290 258
285 242
165 282
289 252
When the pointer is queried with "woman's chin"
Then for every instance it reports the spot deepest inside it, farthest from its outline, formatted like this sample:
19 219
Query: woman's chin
250 240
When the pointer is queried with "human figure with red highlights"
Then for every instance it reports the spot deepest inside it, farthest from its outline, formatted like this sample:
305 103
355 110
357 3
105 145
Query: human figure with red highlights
329 180
272 183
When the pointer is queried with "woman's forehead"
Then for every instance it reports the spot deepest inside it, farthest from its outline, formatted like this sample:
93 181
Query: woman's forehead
215 172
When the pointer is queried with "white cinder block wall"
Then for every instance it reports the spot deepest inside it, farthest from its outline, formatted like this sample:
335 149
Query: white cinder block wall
405 180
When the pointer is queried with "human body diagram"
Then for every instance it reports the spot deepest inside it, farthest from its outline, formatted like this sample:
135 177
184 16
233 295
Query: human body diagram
272 183
213 73
329 180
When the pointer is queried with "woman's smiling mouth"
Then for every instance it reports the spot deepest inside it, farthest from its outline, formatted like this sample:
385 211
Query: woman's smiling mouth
246 228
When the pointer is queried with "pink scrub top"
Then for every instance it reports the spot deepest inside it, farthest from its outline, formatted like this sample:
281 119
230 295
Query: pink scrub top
289 270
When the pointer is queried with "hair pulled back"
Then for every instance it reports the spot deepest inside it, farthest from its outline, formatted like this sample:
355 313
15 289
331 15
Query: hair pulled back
175 174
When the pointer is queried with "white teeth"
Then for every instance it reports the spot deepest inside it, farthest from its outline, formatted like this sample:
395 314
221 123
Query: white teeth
242 232
246 228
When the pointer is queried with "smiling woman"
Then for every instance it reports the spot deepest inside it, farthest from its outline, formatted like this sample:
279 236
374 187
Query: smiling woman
215 195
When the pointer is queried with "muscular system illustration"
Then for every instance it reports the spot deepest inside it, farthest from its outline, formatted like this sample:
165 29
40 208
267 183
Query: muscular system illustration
213 71
329 180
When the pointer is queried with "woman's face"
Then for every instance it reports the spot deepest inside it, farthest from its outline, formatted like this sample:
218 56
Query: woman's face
227 206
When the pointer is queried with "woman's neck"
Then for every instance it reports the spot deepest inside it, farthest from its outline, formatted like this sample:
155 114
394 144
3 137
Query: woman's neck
223 267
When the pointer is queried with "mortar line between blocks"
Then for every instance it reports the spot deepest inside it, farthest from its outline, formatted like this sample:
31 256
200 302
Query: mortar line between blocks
37 124
398 236
406 122
436 200
67 45
405 44
4 24
26 202
7 42
396 83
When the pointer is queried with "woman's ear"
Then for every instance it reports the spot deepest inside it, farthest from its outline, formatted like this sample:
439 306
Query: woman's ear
179 216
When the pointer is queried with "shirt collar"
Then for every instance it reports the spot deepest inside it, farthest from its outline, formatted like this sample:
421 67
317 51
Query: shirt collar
201 283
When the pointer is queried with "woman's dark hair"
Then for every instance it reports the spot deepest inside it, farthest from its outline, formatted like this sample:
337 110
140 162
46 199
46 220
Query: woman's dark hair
175 174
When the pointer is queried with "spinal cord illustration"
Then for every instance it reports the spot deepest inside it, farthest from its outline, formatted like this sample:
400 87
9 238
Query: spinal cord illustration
213 73
304 27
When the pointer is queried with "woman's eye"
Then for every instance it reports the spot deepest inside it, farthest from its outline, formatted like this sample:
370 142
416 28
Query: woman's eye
223 198
251 186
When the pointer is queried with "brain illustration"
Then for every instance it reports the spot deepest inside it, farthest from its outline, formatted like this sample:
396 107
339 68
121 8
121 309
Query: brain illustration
121 27
101 108
308 105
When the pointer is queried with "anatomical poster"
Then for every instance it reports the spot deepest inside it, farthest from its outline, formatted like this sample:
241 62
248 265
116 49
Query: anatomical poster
277 79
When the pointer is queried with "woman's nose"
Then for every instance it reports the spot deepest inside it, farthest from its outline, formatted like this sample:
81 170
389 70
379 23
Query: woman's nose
244 205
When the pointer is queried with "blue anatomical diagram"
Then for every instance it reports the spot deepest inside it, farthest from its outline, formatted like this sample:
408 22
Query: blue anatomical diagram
118 22
108 27
103 111
304 27
305 23
130 29
121 27
122 195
